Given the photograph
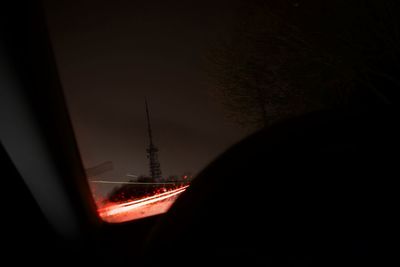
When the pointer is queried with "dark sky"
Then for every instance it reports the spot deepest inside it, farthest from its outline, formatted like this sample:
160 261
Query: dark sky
113 54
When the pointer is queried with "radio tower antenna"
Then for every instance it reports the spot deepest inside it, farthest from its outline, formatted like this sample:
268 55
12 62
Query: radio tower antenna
152 150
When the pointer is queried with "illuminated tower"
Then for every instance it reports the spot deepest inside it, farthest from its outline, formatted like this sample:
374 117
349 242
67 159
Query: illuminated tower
152 152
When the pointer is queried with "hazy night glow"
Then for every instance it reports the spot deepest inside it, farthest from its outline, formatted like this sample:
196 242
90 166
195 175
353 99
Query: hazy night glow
139 208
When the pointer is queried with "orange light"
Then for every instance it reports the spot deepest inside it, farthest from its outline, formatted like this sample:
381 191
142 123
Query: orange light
130 210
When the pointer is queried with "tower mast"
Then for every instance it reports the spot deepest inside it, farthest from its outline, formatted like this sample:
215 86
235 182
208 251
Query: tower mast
152 151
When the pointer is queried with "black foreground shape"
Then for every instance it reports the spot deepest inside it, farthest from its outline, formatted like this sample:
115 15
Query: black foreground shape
314 191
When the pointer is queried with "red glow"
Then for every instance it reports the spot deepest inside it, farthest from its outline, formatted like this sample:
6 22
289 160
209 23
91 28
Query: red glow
135 209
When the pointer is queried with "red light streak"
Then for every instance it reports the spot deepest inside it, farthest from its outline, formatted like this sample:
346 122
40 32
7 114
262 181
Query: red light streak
136 208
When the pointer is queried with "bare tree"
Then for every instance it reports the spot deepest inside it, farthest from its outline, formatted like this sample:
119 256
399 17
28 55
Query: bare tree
283 60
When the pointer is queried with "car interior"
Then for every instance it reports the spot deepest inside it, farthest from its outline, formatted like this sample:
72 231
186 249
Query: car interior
320 189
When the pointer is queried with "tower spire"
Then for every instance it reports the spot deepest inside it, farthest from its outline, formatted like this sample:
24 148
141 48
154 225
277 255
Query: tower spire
152 150
149 131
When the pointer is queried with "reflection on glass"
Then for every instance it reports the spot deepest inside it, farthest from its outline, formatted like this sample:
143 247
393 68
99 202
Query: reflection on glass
141 196
111 57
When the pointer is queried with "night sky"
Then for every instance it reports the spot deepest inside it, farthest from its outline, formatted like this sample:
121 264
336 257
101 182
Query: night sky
113 54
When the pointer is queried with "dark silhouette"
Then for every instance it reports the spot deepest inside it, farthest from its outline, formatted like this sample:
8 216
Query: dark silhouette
322 187
152 151
317 189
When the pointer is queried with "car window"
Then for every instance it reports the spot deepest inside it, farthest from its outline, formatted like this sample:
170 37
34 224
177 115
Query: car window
142 97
